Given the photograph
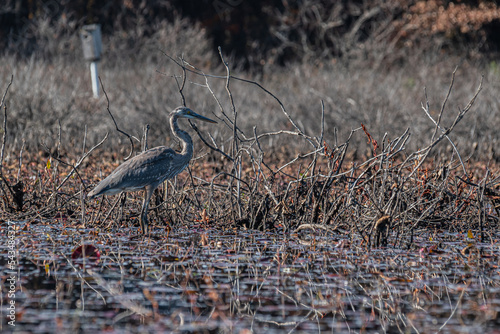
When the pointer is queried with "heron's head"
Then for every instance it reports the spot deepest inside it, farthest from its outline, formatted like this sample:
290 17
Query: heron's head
184 112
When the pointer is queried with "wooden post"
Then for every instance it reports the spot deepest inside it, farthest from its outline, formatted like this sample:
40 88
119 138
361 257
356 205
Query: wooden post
92 47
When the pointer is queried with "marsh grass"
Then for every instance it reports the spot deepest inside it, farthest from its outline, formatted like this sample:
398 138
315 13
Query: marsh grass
286 171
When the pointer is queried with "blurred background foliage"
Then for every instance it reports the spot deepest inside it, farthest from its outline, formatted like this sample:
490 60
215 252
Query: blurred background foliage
367 61
267 32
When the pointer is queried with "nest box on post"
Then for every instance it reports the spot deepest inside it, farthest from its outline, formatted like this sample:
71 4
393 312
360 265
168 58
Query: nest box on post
92 47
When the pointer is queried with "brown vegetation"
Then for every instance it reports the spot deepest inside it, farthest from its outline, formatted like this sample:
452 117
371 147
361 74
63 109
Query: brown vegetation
246 182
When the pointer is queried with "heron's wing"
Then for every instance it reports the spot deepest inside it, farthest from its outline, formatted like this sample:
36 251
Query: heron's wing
148 168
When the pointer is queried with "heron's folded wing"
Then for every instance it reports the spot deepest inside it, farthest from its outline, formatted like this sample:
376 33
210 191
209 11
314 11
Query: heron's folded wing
148 168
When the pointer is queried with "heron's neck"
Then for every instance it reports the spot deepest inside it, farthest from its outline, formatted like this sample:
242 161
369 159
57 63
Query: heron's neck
183 136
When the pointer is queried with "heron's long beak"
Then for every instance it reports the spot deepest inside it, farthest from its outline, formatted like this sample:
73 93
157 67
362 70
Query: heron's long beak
201 118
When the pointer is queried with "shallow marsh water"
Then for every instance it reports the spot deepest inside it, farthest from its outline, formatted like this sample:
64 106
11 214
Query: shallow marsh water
206 280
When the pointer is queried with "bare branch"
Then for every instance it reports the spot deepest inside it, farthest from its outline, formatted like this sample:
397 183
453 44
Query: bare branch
116 125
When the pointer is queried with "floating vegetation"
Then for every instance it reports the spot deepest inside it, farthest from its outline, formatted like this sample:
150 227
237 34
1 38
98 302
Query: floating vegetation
231 280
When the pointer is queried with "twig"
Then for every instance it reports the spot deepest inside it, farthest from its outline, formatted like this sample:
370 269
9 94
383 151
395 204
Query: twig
116 125
422 154
438 122
282 106
20 161
145 138
74 168
181 86
4 135
216 149
455 308
236 155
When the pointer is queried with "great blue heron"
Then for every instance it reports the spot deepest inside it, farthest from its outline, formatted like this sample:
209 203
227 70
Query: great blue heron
150 168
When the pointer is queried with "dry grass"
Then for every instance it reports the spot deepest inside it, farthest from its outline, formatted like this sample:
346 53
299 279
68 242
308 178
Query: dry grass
385 100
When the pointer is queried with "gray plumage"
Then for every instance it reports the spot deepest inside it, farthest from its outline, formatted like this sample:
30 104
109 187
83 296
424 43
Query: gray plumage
149 169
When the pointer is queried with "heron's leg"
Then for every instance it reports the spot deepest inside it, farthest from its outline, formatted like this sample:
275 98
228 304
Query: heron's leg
148 191
122 204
